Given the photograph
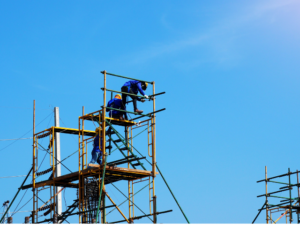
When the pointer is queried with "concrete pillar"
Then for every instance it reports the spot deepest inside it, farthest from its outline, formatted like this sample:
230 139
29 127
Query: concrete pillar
58 207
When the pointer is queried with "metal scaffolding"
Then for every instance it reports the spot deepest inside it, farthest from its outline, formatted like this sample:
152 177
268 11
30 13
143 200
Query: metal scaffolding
288 206
91 180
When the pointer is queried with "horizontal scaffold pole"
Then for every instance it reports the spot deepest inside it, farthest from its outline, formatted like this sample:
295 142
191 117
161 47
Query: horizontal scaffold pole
282 175
149 114
126 93
277 182
139 217
292 185
274 196
151 96
121 110
150 82
72 214
273 193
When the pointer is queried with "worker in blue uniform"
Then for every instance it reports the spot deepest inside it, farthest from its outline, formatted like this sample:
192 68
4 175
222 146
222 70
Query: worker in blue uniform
117 104
97 151
133 87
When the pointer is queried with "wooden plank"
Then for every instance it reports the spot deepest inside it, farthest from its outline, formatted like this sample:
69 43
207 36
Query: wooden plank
110 168
118 173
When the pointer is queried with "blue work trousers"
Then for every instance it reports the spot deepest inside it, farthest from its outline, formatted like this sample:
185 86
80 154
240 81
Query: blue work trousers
96 157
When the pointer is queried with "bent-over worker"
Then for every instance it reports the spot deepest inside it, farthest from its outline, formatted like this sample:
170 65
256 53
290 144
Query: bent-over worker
133 87
117 104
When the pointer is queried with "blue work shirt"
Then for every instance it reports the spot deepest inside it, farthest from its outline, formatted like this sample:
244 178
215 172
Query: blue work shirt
117 104
136 86
96 144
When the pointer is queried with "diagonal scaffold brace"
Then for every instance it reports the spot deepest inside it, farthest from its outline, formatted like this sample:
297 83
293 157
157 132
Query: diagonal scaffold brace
102 184
15 195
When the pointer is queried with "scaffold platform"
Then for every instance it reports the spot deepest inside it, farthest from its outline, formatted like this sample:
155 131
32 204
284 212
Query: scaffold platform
112 174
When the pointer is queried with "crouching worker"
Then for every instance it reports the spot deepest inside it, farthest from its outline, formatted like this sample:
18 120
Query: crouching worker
117 104
133 87
97 151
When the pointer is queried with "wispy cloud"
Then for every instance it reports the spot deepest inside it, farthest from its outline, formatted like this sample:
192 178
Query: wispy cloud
214 36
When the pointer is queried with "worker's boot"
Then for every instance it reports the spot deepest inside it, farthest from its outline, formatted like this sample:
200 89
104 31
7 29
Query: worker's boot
138 111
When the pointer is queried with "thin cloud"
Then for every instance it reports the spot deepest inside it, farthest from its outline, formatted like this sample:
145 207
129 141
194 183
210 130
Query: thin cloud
212 35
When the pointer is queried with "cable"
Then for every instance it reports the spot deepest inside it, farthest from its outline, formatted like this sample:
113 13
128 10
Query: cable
22 108
127 199
26 132
56 159
15 139
130 200
16 176
20 211
65 198
21 207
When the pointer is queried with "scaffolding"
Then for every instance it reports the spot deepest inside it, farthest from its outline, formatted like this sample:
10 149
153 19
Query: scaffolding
90 180
288 206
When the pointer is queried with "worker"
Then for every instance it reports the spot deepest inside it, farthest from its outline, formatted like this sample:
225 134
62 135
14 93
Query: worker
97 152
117 104
133 87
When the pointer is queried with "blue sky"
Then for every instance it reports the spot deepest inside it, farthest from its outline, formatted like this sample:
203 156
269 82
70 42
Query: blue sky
231 75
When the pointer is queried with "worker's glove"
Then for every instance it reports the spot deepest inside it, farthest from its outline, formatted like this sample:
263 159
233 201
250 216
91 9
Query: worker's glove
146 96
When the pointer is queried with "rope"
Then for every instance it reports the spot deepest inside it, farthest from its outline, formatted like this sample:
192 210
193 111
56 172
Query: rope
26 133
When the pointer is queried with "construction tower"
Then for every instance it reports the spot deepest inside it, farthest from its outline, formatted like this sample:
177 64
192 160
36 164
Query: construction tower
91 180
288 205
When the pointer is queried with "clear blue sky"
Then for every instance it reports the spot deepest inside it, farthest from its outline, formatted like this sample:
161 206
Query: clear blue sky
230 70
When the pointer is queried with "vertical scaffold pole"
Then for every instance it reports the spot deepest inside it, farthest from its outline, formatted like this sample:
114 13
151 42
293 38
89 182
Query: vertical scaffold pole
154 154
267 208
103 145
33 167
154 138
103 118
80 181
290 192
298 195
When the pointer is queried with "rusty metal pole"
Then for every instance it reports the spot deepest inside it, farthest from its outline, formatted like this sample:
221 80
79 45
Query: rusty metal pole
267 212
33 171
154 210
290 193
154 137
298 211
103 218
154 154
55 218
27 219
10 220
